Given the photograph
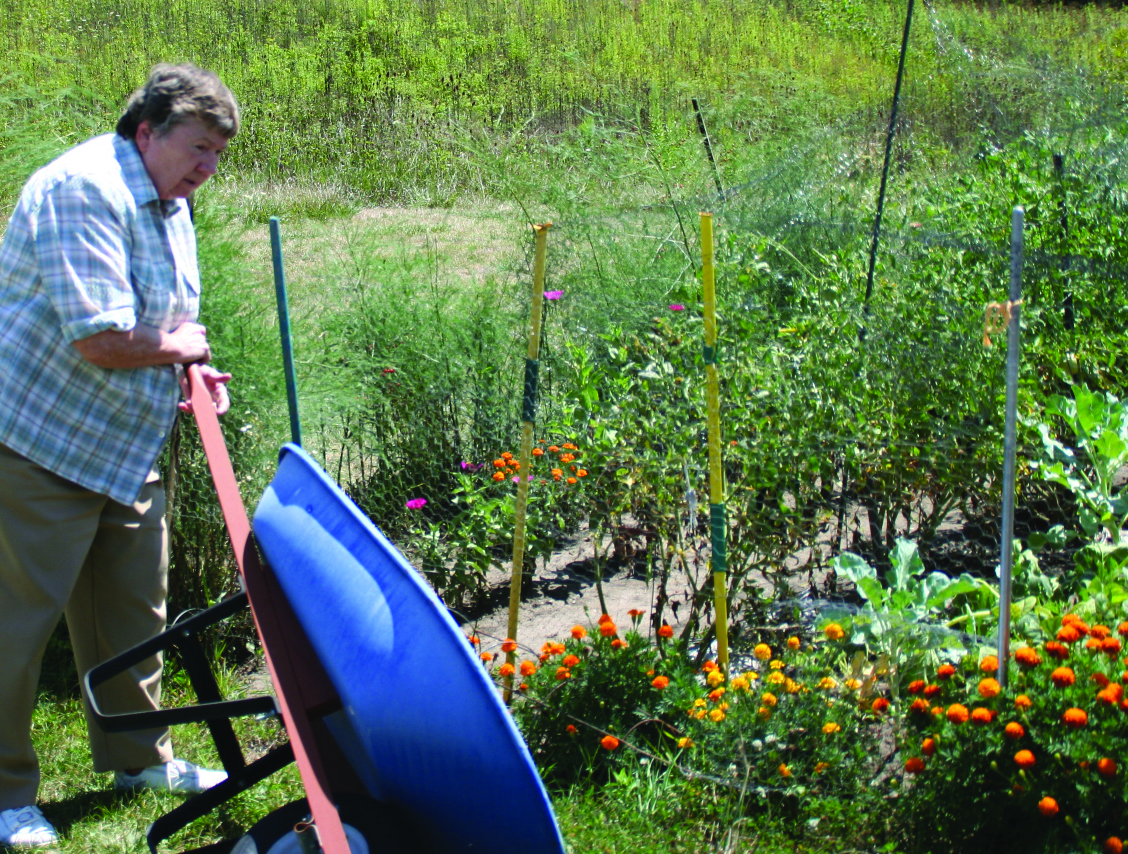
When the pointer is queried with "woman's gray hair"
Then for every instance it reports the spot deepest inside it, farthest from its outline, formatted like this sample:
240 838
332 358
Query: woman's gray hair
174 93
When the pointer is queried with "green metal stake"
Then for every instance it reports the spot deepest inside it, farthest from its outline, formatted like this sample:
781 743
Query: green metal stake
284 330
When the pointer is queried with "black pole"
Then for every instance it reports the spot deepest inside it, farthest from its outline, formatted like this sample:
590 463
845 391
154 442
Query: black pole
885 170
708 147
1067 301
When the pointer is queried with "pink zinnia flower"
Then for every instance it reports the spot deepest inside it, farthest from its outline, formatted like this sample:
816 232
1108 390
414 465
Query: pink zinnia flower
553 294
416 503
677 307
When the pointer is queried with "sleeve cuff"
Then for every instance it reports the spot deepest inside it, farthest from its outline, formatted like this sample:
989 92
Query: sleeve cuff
119 320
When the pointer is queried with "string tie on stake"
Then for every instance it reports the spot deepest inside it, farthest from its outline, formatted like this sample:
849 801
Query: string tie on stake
997 318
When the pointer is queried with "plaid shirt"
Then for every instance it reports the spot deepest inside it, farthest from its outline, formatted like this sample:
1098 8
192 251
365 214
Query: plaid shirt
91 247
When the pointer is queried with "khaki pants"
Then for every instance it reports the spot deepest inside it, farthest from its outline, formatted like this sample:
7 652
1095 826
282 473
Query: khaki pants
65 549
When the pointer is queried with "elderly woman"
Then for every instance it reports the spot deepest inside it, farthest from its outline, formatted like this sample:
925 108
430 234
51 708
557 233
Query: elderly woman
99 295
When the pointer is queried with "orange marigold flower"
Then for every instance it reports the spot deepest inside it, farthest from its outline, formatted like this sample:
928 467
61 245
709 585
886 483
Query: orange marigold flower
1057 650
716 694
914 765
989 664
931 691
834 632
581 473
579 632
1024 759
958 714
618 643
1100 679
928 746
821 766
1068 634
570 480
554 448
1122 629
571 660
538 452
559 649
1075 718
635 612
1111 646
1109 696
666 631
486 657
1014 730
830 728
1092 644
607 629
709 666
685 742
1113 845
507 669
1063 677
567 458
768 698
474 641
509 645
916 686
1100 632
784 771
528 668
762 651
1106 767
919 706
568 446
880 705
716 716
946 671
563 673
1022 702
981 716
609 742
793 643
1027 656
989 688
499 476
1048 807
660 682
570 729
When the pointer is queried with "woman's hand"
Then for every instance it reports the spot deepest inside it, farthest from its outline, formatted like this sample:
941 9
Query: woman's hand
216 383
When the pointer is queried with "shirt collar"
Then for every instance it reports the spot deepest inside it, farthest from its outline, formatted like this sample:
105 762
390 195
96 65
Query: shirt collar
137 178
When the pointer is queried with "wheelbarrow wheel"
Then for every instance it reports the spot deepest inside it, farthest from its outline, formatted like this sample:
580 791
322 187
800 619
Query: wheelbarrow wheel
370 827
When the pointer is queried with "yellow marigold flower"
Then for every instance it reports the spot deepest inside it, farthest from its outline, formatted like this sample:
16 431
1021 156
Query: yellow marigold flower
827 683
792 687
751 675
793 643
768 699
714 678
821 766
775 678
852 684
831 728
699 714
834 632
762 651
700 701
776 664
784 771
716 716
685 742
989 688
764 712
740 683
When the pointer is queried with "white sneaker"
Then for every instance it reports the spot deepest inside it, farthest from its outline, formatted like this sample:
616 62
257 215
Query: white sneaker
178 775
26 827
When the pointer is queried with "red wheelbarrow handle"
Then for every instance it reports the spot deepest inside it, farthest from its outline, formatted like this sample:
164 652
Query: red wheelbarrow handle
276 625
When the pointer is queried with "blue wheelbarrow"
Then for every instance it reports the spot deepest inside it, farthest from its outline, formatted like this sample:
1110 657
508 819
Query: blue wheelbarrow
401 740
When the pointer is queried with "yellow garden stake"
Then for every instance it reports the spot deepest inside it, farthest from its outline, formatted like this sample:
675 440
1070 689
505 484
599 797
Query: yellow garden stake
528 415
716 476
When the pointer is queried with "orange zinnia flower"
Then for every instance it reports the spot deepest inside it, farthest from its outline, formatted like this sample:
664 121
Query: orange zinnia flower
665 631
1014 730
946 671
989 688
1075 718
1048 807
609 742
957 714
1106 767
914 765
1024 759
1063 677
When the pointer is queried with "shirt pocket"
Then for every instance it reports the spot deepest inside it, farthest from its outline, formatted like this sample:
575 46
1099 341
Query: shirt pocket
154 284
